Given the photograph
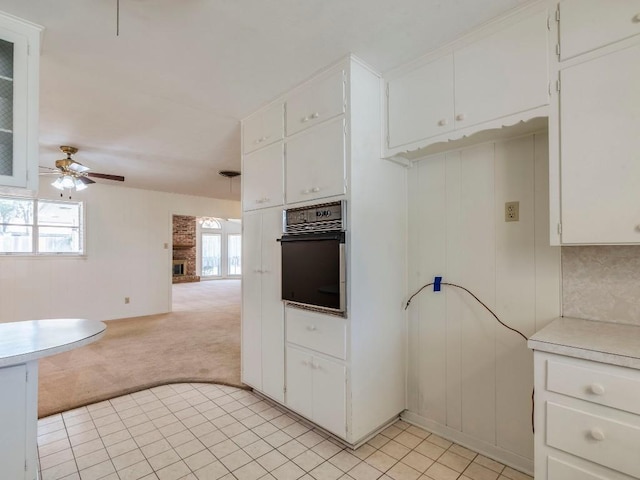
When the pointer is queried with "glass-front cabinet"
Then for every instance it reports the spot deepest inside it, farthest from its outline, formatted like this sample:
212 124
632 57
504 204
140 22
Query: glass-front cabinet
19 67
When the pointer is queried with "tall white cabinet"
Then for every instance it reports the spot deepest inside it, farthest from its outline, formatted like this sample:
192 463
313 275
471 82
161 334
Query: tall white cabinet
19 90
594 122
346 374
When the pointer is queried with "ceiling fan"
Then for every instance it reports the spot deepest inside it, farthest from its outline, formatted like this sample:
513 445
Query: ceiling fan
73 175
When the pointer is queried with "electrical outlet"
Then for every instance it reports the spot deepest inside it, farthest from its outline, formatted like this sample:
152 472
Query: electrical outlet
512 211
127 300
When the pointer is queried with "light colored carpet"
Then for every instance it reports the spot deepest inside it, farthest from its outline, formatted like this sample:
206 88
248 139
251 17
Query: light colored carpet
198 342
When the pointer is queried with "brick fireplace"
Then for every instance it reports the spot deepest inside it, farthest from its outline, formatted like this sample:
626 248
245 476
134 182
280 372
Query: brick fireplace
184 249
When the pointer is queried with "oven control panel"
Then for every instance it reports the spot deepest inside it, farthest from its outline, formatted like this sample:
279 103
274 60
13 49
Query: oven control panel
316 218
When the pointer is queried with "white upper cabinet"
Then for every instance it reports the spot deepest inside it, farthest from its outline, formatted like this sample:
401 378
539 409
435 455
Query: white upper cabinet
420 103
263 183
590 24
503 73
599 149
495 76
315 164
317 102
263 128
19 88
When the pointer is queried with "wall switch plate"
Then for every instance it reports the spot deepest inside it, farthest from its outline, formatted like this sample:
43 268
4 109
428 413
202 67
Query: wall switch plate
512 211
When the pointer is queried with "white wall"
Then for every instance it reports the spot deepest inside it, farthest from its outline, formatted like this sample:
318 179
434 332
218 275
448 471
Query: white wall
126 232
469 378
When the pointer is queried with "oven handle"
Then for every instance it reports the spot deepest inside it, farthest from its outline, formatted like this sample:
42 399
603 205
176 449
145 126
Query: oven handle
340 236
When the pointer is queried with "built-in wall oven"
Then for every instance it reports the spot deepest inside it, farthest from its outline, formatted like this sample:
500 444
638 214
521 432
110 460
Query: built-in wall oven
313 257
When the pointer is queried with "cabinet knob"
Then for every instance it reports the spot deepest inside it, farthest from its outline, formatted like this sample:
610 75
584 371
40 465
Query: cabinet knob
306 192
636 19
460 117
596 434
443 122
304 119
315 189
596 389
315 115
305 363
314 365
311 328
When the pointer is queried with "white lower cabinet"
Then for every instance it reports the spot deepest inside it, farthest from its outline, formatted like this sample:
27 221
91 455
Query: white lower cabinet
18 422
263 312
316 389
587 425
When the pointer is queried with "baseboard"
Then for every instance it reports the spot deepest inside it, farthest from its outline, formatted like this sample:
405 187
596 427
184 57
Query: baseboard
498 454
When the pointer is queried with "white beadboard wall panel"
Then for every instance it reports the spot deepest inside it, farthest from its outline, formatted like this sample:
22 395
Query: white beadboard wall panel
126 230
428 340
457 230
452 317
477 265
548 261
515 292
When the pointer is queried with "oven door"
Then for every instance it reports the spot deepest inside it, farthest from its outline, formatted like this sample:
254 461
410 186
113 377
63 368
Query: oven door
313 270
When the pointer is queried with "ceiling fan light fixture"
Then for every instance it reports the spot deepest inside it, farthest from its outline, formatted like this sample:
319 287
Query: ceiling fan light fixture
67 181
79 184
58 183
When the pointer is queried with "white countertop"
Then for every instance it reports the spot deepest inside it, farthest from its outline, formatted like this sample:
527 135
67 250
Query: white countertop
22 342
605 342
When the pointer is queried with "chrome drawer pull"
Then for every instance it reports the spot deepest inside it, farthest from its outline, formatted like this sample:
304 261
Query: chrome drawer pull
596 434
596 389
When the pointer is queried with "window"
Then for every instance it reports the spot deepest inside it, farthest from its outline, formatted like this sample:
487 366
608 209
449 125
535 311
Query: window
211 254
234 252
40 227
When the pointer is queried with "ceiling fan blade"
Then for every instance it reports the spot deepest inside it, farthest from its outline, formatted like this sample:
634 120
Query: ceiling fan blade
50 173
77 167
85 180
48 168
118 178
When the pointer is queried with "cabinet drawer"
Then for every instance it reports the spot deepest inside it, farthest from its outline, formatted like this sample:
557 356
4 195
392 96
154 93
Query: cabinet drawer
319 101
595 437
607 385
560 470
322 333
589 24
263 128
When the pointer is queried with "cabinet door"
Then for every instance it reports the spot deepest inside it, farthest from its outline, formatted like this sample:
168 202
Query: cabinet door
315 163
319 101
13 419
13 109
299 397
420 103
263 184
272 307
589 24
599 159
329 395
263 128
252 300
503 73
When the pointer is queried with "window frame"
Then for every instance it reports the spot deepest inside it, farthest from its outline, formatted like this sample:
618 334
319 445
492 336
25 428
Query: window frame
35 226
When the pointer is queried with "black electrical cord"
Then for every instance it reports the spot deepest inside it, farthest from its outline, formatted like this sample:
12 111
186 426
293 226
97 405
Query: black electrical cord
533 428
477 299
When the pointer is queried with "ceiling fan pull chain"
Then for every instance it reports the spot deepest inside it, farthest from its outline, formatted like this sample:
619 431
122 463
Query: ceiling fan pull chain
117 18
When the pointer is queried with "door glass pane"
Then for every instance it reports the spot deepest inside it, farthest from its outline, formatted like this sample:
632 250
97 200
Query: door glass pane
211 254
6 108
234 249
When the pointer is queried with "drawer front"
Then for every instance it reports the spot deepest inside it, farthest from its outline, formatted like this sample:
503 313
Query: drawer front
595 437
320 101
322 333
608 385
263 129
560 470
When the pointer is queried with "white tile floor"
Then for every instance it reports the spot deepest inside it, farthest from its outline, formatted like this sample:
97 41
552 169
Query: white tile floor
204 432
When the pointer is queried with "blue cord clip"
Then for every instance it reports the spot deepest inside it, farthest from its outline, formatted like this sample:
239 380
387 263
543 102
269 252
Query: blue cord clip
436 284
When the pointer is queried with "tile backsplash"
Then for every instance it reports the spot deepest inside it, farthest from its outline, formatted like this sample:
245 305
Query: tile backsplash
602 283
